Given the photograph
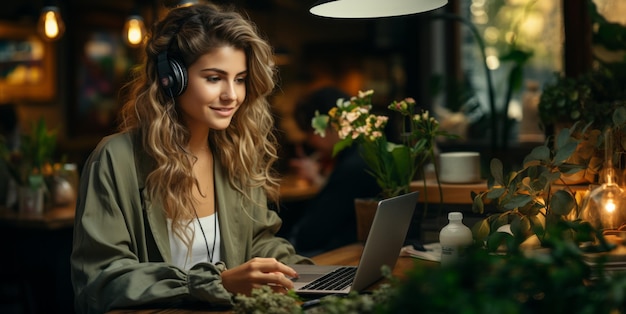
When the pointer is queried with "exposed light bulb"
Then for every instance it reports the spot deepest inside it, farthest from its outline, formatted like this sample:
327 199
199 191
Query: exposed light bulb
609 205
50 25
134 31
605 208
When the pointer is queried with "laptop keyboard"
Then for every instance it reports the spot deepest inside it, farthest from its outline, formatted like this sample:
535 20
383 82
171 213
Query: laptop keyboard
338 279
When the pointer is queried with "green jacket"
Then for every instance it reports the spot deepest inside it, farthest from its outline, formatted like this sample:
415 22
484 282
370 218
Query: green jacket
121 251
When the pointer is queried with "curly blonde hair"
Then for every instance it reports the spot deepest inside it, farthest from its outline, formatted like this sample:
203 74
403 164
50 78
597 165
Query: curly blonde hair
247 148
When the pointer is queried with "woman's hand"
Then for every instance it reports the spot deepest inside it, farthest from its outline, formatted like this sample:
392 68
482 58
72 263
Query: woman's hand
258 272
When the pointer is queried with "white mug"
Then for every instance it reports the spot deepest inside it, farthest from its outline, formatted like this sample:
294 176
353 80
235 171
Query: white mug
459 167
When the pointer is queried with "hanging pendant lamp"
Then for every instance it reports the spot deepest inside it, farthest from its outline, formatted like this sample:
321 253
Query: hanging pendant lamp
50 25
373 8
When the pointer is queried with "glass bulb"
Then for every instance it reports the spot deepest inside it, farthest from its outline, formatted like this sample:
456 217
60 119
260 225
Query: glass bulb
50 25
134 31
604 208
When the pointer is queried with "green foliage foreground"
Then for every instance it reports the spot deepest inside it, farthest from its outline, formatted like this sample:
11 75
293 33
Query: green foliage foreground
550 281
555 280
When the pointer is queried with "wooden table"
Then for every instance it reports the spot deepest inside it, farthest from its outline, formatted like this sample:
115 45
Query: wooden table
53 218
351 254
294 189
347 255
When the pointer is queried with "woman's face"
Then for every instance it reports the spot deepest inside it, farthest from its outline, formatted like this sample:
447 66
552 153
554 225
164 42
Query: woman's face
215 90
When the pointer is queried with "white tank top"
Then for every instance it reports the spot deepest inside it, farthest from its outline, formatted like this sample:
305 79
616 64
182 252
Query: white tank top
185 261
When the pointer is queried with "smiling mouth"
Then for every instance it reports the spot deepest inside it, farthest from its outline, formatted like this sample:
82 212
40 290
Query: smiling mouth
222 108
225 111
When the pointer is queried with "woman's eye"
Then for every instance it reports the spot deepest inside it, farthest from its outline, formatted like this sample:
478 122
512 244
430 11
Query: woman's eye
213 78
241 79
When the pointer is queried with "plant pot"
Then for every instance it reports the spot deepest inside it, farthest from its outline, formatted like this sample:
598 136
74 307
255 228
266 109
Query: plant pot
365 210
31 200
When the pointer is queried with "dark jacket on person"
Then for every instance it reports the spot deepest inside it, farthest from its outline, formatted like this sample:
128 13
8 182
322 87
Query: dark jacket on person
329 220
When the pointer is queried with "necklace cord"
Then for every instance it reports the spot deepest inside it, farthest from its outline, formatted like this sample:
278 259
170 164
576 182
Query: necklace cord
206 242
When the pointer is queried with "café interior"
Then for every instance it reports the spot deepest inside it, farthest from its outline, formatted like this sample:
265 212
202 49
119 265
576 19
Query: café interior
70 79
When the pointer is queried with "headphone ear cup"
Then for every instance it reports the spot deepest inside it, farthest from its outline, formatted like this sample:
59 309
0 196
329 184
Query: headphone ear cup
172 75
179 72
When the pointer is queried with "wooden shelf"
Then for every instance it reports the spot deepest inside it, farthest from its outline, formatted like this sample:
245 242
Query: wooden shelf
452 193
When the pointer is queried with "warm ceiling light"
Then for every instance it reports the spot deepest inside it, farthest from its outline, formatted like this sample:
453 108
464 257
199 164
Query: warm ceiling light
186 3
50 25
134 30
373 8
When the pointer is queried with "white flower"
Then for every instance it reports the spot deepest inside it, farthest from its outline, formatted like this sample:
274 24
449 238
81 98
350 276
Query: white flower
341 103
365 93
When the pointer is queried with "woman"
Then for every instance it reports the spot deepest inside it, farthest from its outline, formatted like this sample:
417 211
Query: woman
173 208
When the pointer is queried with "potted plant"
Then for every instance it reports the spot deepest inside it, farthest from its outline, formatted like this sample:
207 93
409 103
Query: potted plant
524 206
393 165
28 165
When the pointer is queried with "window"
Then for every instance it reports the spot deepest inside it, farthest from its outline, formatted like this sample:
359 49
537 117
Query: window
527 25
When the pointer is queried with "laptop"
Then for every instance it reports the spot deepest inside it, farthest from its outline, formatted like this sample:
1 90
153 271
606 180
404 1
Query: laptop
382 247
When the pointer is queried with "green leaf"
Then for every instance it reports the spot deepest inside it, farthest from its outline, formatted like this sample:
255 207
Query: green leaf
563 138
495 193
550 177
516 225
531 209
402 160
562 202
518 201
565 152
481 230
540 153
341 145
524 227
477 205
320 123
496 239
537 226
500 221
568 168
497 171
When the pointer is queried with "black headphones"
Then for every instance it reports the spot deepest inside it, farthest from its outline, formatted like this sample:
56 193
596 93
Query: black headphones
172 74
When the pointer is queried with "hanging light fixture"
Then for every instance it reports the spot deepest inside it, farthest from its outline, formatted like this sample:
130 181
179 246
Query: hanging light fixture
186 3
373 8
134 30
605 207
50 25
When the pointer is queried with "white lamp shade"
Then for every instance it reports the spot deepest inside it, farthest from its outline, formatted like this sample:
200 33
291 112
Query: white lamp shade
374 8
